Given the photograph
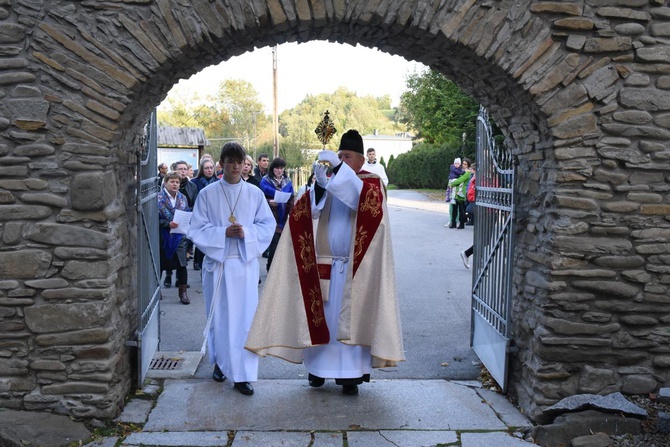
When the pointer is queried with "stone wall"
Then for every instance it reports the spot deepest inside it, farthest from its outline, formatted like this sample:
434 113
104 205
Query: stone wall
581 88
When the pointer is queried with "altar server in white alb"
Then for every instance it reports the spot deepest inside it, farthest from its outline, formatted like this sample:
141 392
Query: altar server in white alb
372 165
232 225
331 301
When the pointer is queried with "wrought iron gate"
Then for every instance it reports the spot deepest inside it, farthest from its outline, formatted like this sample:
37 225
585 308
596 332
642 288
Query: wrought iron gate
492 258
148 264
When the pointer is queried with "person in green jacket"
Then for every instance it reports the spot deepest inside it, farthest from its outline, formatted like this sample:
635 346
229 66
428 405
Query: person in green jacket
459 186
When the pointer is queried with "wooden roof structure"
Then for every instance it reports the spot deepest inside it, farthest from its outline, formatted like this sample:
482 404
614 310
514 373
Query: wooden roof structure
186 137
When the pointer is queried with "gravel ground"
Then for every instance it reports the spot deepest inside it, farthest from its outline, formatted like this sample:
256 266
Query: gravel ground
650 437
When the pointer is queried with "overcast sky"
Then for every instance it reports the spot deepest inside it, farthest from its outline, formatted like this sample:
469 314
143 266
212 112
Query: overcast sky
307 69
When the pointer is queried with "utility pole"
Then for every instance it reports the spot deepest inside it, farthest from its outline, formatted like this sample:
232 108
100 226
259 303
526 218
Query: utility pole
254 116
275 121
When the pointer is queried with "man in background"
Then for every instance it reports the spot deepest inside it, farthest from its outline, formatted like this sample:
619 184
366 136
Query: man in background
261 169
372 166
162 170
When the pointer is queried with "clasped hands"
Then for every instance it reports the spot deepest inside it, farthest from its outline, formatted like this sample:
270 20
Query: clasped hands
235 230
321 169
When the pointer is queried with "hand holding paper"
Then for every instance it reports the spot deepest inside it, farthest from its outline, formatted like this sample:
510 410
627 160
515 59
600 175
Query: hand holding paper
183 219
282 197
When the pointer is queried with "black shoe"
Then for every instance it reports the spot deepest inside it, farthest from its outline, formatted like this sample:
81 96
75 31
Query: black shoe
244 388
469 224
461 227
452 225
168 281
197 266
350 390
217 375
315 381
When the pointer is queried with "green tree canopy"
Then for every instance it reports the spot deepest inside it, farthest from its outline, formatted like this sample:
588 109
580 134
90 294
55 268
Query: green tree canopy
438 111
346 109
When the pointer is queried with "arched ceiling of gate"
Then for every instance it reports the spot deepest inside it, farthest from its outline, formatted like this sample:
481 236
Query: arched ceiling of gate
128 55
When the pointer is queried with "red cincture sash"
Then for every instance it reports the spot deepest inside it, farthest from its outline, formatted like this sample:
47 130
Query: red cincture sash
304 250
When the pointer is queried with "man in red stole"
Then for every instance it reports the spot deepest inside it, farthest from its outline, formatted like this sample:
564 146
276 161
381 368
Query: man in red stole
331 300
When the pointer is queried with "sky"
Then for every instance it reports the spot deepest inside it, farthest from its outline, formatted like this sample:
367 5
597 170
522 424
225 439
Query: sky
308 69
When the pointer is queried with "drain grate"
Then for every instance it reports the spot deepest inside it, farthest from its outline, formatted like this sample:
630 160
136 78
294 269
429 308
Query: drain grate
166 364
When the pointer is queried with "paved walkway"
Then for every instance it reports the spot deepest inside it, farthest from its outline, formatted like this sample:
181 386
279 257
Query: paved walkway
393 413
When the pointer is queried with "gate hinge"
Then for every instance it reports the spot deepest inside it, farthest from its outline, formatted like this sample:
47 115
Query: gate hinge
133 343
512 348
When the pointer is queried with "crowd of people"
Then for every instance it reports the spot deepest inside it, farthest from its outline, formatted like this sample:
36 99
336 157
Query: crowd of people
329 300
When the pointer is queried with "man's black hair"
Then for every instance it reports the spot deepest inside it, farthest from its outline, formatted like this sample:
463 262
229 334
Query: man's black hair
234 151
262 155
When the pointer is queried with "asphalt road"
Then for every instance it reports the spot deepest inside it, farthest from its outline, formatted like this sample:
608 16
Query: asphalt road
433 290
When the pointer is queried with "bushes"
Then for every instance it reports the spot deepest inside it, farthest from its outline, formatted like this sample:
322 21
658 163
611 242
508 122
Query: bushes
426 166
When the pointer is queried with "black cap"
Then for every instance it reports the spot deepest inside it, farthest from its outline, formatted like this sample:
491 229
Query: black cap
352 141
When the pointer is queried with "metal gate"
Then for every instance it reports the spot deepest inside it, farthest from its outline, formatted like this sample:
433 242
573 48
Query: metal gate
147 254
492 258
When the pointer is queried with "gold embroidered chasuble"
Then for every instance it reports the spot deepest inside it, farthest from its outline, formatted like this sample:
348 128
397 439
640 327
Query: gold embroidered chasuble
290 312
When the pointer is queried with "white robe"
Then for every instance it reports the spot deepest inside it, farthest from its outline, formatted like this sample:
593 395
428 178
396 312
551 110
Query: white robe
230 270
337 360
377 168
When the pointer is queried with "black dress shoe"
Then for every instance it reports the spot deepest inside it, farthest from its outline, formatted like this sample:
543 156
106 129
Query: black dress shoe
197 266
168 281
217 374
350 390
244 388
315 381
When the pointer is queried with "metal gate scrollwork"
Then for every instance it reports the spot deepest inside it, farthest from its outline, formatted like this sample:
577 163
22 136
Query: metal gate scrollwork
148 264
492 258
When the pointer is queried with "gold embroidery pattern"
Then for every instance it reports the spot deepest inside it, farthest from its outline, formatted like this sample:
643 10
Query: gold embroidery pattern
372 202
300 209
361 236
316 307
307 252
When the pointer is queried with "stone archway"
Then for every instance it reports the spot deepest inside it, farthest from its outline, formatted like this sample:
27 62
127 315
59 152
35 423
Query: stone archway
582 89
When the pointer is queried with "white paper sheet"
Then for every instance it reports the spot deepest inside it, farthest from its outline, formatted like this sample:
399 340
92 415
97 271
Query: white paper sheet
183 219
282 197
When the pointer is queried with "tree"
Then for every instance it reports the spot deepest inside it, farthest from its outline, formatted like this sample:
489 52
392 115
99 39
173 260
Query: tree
346 109
238 100
438 111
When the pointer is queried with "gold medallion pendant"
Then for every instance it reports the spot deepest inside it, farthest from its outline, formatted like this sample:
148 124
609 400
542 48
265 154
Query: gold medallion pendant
232 219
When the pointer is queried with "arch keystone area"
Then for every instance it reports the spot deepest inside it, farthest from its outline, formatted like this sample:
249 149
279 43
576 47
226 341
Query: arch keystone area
581 89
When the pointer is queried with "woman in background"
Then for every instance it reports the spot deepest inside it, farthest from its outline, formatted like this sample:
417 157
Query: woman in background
248 171
277 181
173 246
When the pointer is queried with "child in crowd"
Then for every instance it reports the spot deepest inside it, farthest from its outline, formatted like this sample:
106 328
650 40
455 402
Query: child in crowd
455 171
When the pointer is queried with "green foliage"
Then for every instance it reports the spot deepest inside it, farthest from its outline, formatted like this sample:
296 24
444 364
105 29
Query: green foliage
425 166
346 109
233 113
438 111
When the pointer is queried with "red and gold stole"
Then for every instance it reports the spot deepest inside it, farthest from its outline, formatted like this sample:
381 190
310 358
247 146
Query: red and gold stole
304 250
369 216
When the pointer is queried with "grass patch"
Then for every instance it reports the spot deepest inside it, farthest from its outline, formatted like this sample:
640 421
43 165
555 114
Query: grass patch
433 194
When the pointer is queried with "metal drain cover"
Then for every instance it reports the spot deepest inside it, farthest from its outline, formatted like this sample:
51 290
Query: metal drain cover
166 364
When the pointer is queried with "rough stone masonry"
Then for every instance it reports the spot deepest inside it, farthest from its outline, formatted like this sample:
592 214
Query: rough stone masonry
580 88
